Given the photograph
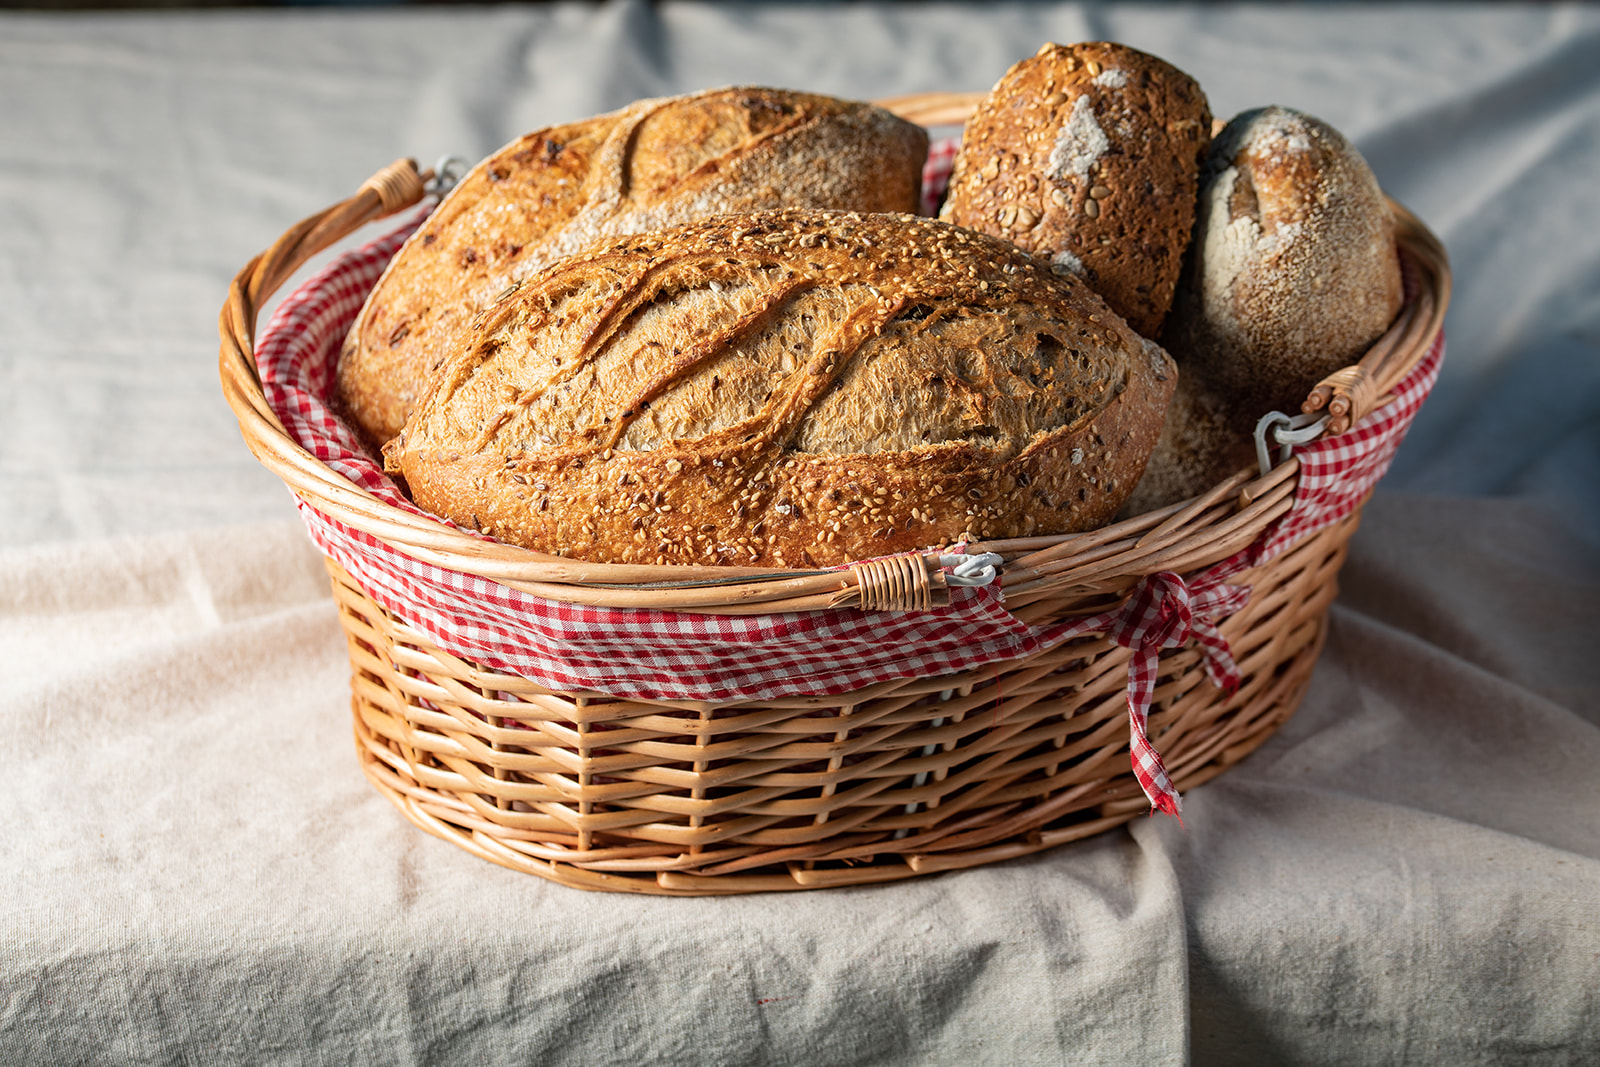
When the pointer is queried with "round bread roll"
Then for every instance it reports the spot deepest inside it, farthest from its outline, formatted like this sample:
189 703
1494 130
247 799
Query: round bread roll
789 389
1088 155
1292 275
654 164
1294 271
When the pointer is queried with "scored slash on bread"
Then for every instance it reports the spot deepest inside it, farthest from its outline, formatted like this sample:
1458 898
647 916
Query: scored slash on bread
652 165
791 389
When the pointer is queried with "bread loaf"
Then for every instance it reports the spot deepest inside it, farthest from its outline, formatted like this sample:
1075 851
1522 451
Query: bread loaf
1294 271
654 164
790 389
1088 155
1292 275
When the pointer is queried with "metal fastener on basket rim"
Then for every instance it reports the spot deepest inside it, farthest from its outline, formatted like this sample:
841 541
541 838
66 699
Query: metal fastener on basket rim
446 174
1287 431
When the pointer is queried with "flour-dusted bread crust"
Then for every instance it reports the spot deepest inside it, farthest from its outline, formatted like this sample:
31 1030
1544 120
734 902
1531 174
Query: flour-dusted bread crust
791 389
1294 271
654 164
1088 155
1292 275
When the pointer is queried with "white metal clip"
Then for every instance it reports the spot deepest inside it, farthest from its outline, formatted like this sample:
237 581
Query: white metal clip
1287 432
446 173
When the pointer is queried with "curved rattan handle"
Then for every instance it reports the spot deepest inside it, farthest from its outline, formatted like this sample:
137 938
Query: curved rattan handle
934 109
392 189
397 186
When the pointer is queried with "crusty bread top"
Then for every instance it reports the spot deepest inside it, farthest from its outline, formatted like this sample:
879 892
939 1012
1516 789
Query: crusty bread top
1294 271
1089 155
654 164
787 388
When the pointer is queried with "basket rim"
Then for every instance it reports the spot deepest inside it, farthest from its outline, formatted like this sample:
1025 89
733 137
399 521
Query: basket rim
1181 536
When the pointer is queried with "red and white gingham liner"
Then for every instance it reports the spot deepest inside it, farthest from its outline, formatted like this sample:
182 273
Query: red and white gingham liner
1166 612
936 172
684 656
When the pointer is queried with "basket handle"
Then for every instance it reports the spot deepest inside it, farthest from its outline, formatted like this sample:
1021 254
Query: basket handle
1347 394
1351 393
397 186
392 189
933 109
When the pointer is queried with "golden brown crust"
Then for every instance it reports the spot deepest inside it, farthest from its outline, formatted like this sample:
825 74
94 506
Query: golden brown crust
654 164
792 389
1294 271
1088 155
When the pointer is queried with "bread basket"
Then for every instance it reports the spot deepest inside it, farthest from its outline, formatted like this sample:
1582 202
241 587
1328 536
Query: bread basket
899 775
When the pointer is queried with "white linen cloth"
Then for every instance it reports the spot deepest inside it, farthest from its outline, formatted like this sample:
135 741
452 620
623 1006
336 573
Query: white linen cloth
192 868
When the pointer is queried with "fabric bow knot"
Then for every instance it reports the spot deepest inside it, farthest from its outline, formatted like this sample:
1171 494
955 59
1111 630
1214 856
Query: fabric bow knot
1164 611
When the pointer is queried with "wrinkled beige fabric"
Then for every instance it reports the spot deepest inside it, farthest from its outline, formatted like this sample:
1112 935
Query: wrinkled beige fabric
192 868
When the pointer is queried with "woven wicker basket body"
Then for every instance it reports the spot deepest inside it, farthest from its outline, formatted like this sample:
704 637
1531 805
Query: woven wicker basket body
903 778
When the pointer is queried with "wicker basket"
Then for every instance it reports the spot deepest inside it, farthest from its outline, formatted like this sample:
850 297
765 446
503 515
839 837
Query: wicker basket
905 777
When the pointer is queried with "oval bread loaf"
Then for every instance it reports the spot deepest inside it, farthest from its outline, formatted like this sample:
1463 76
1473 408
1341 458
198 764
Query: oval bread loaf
1294 271
788 389
1089 155
1293 274
654 164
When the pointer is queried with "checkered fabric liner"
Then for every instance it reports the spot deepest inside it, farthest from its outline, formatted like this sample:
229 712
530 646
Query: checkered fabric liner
686 656
936 173
1165 611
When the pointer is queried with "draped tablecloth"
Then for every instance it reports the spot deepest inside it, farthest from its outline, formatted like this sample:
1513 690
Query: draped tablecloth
192 868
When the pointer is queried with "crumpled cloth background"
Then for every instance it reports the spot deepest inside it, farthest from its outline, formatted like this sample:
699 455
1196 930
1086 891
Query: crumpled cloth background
192 868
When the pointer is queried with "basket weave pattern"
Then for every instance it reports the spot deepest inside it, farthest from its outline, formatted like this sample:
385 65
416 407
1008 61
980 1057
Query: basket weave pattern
903 777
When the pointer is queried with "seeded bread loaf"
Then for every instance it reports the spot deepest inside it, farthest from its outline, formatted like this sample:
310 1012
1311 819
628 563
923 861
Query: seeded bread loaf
1293 274
1088 155
1294 271
791 389
654 164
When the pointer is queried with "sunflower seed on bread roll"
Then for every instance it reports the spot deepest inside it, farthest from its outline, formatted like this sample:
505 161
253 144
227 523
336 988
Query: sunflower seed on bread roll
1293 273
1088 155
792 388
654 164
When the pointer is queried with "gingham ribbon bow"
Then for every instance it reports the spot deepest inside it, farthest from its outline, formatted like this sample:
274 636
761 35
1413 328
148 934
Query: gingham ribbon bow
1166 612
